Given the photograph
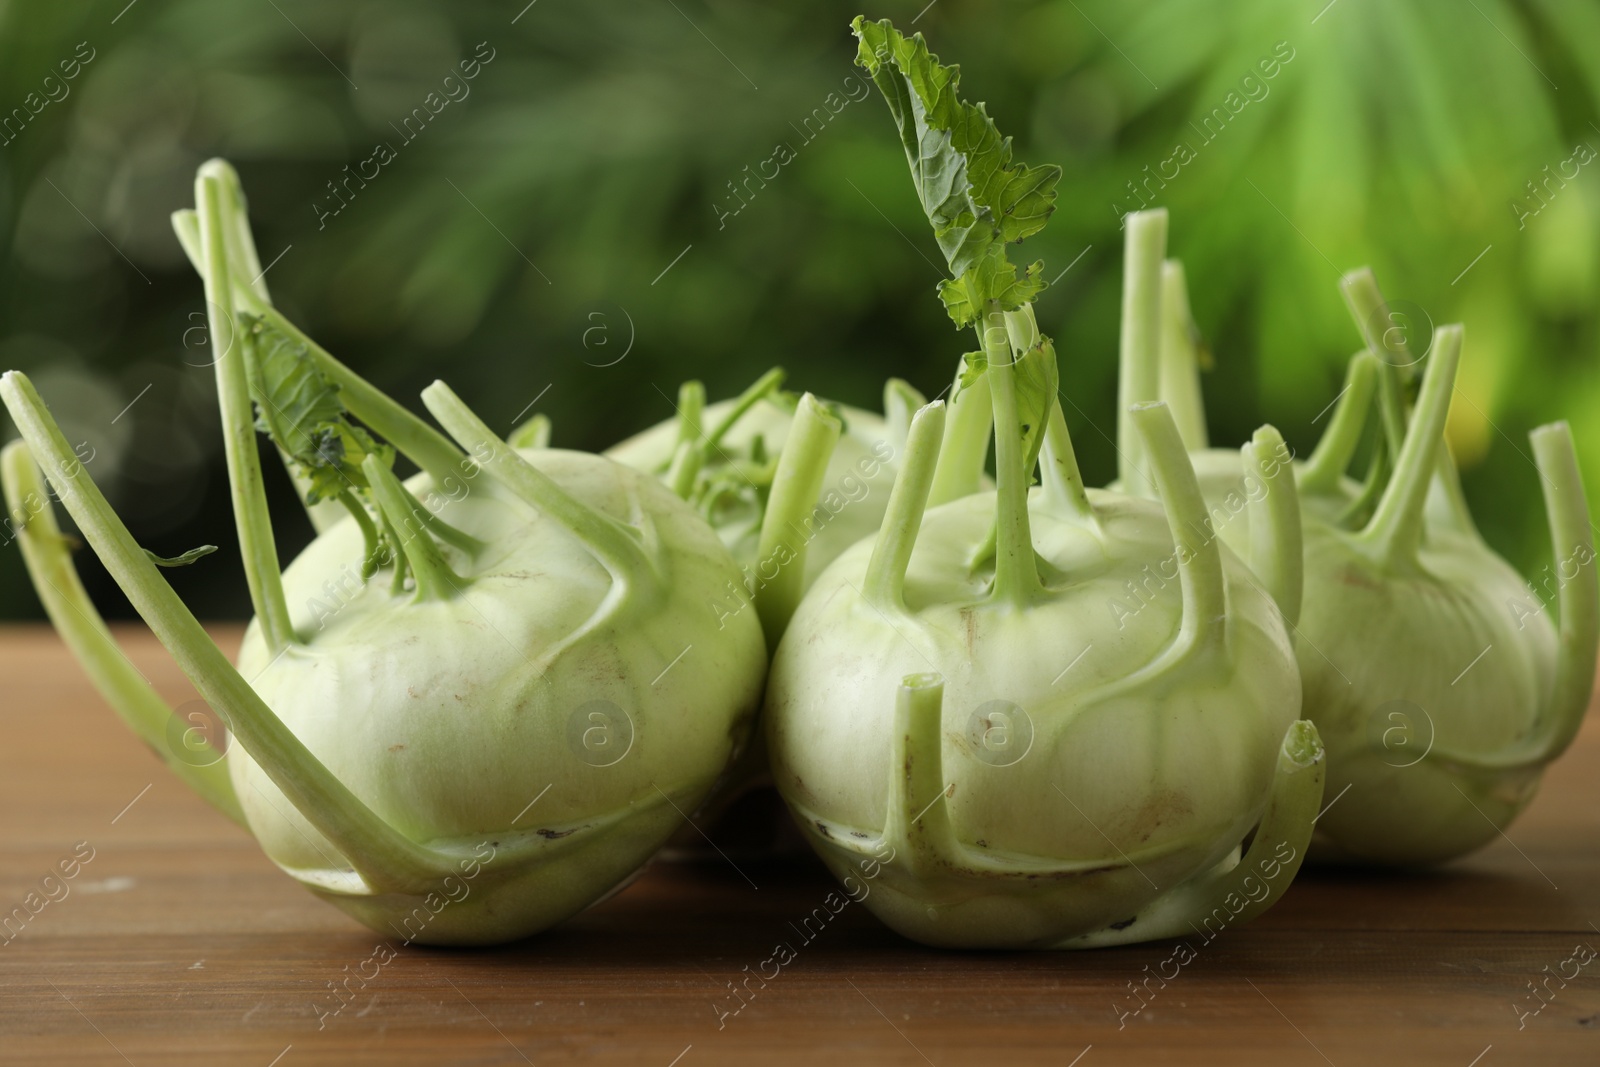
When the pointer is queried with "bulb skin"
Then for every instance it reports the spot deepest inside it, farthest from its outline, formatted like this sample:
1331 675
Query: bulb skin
1091 764
1419 677
537 725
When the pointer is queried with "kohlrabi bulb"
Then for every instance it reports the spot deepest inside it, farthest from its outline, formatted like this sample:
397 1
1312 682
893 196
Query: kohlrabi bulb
1028 766
472 708
562 715
968 732
1434 672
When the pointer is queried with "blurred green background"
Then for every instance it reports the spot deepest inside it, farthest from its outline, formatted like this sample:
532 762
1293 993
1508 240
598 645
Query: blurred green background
575 206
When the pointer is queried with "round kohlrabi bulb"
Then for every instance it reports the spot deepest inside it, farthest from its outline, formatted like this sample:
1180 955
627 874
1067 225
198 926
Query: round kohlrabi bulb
1435 673
1057 740
547 719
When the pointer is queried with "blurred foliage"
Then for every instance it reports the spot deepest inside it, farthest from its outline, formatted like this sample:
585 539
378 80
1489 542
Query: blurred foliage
578 204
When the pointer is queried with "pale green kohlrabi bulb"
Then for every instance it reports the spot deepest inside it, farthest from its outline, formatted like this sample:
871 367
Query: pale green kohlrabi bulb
989 755
1433 670
472 708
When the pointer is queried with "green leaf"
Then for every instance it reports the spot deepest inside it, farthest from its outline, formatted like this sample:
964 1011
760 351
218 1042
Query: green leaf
973 365
1037 378
183 560
299 408
976 199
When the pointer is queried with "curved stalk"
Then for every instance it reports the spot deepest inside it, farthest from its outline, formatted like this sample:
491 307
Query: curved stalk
791 502
435 579
1195 542
1395 531
1339 442
1016 573
1139 349
917 825
435 525
1276 554
49 563
1358 512
691 410
1064 493
901 400
902 520
1224 898
1447 484
383 856
764 385
683 469
251 518
1180 359
421 443
1572 541
371 547
615 544
1397 365
965 449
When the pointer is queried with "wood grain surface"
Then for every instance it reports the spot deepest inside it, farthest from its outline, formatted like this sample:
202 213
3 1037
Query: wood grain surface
179 943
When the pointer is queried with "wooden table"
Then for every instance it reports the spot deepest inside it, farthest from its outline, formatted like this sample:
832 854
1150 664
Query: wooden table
181 944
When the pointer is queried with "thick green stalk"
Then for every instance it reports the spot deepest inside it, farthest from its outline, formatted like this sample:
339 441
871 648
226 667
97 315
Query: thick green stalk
1572 541
691 412
683 469
1276 552
901 401
1058 468
918 826
1387 342
1180 359
1333 453
49 563
1139 347
421 442
615 544
902 520
251 518
1395 531
243 264
1199 558
435 579
371 547
1016 573
792 500
382 855
965 451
